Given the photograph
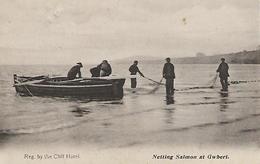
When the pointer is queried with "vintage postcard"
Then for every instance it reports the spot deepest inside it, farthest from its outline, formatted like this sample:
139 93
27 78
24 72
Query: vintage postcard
129 81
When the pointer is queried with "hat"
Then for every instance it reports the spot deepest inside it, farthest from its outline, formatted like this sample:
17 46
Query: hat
222 58
168 59
80 64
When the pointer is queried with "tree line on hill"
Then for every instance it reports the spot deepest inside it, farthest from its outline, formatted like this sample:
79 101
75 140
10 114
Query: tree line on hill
243 57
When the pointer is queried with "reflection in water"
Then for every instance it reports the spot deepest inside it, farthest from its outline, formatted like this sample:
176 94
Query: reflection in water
169 115
169 111
107 124
4 138
224 94
79 111
223 100
74 99
120 102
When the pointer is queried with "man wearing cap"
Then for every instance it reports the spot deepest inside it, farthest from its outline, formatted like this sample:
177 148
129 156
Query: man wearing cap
223 74
133 69
74 71
169 75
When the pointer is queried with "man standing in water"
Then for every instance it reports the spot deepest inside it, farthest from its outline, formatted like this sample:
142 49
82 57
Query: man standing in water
133 70
169 75
74 71
223 74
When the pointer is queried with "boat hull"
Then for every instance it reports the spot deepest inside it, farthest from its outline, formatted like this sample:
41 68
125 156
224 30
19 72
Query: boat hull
110 89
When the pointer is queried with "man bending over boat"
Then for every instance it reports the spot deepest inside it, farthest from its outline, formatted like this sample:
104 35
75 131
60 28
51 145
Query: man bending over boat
95 71
105 68
72 74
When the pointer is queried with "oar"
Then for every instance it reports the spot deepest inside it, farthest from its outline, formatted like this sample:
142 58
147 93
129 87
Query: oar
156 87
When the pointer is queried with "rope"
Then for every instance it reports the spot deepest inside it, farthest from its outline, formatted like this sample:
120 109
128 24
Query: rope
156 87
213 81
243 81
159 83
211 84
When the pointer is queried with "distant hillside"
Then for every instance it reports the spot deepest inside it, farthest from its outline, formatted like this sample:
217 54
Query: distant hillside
244 57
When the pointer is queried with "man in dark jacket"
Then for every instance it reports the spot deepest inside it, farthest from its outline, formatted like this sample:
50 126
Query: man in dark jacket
169 75
95 72
223 74
133 70
74 71
105 68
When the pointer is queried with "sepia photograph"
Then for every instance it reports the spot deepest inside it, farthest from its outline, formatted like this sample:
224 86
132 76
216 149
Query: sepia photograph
129 81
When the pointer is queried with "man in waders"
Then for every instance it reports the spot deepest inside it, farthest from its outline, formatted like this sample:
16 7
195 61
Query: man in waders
133 70
223 74
169 75
74 71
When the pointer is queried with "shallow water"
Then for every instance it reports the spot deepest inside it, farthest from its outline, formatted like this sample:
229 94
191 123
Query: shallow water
196 114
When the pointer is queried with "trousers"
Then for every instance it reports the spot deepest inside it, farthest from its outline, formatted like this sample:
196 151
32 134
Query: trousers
169 86
133 82
224 83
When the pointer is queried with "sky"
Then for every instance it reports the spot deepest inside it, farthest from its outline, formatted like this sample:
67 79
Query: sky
68 31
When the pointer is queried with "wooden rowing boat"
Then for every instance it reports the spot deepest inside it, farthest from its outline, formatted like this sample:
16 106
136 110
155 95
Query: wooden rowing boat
91 88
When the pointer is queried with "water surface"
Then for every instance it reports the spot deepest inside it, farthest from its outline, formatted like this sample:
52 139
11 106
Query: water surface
200 116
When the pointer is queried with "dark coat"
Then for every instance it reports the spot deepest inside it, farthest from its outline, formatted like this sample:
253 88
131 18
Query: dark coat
223 70
73 72
134 69
107 69
95 72
168 71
